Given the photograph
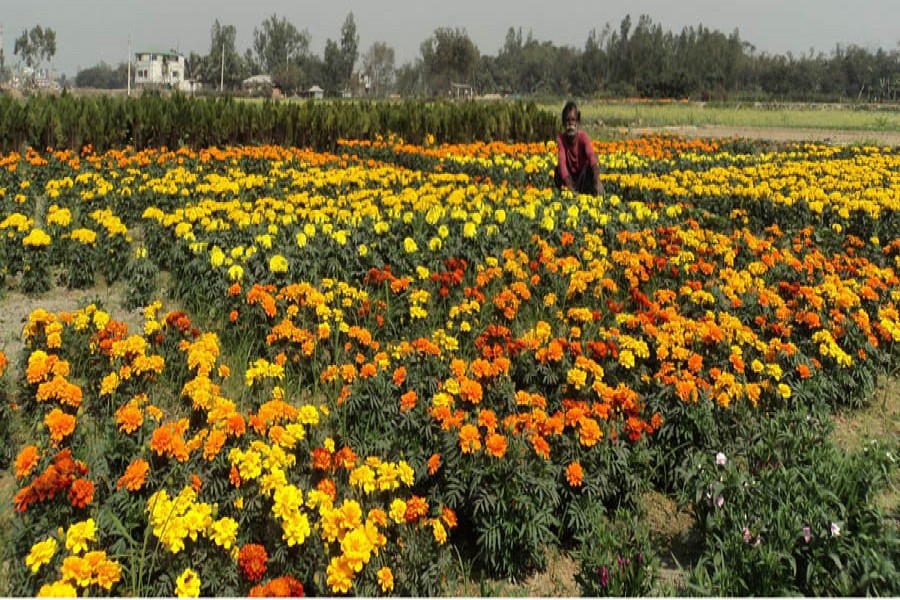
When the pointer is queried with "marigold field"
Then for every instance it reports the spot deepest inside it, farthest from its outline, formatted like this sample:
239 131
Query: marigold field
375 371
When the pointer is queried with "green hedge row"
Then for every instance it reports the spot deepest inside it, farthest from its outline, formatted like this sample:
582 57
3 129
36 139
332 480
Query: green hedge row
105 122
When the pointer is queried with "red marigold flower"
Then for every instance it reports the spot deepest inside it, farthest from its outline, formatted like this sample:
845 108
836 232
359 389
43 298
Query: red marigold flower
416 507
252 561
81 493
321 459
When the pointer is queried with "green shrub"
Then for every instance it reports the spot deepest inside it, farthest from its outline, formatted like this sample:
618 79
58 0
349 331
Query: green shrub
792 515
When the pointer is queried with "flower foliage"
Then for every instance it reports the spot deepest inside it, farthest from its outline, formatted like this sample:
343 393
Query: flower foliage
403 346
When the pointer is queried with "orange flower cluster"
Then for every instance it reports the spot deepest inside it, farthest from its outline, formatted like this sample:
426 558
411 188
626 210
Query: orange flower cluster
280 587
59 476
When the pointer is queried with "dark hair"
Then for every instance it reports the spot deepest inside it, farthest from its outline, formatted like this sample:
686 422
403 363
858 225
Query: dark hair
568 107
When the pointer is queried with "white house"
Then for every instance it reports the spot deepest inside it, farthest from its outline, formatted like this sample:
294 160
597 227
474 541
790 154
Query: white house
155 68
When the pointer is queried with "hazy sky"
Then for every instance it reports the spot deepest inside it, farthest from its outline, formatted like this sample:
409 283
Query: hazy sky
90 31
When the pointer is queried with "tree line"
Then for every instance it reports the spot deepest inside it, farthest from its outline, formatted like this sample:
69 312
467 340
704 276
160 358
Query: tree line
639 59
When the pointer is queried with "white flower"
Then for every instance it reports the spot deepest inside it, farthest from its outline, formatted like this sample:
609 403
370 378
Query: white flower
835 529
721 459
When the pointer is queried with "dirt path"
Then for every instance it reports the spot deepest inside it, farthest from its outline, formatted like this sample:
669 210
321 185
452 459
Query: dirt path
777 134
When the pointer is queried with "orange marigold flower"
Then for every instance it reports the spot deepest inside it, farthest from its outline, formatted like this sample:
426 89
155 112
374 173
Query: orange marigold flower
252 561
449 517
541 447
26 461
399 375
135 474
234 477
235 424
575 474
213 445
60 425
487 419
327 487
434 463
469 439
345 457
408 401
495 445
196 483
280 587
81 493
804 371
470 390
129 417
589 432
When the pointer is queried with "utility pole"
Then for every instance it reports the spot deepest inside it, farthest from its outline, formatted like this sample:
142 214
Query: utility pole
129 64
222 76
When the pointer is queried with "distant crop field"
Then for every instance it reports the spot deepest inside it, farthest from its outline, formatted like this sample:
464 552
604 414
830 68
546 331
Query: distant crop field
613 114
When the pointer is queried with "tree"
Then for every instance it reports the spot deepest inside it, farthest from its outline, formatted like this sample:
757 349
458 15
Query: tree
449 56
36 46
332 68
339 60
278 43
378 66
102 76
222 40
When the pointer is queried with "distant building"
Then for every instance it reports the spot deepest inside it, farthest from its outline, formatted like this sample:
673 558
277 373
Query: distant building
161 68
316 92
258 85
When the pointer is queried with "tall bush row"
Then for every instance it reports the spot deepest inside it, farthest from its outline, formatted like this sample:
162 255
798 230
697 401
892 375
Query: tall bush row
153 120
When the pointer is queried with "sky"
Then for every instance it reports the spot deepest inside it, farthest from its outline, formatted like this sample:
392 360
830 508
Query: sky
91 31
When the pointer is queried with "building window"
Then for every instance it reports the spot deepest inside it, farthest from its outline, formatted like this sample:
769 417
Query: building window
174 74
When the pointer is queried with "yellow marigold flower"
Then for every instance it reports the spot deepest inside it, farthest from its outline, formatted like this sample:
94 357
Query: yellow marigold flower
78 570
784 390
36 238
339 575
188 584
287 501
216 257
397 511
224 532
386 579
626 359
437 528
278 264
83 236
108 573
296 529
363 250
57 589
41 554
409 245
357 548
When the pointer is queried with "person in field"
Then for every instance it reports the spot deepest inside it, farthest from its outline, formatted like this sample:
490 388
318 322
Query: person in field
577 168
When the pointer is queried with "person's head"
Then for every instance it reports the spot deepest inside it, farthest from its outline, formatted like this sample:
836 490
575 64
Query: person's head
571 118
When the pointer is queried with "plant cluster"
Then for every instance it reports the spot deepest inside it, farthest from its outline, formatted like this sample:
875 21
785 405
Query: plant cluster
398 349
